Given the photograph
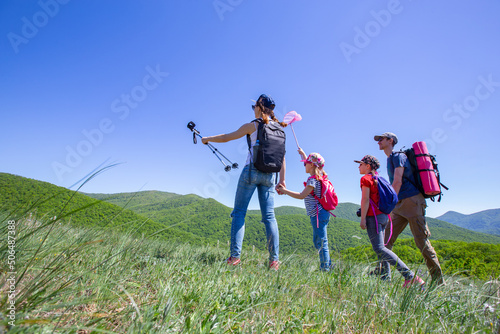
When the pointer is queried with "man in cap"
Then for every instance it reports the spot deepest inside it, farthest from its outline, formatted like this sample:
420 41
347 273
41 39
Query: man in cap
410 208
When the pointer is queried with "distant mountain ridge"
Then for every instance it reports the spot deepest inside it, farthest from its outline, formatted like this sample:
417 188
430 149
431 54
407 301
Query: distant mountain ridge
487 221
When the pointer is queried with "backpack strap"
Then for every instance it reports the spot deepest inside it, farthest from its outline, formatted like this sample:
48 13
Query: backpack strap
376 221
390 230
317 198
249 141
404 176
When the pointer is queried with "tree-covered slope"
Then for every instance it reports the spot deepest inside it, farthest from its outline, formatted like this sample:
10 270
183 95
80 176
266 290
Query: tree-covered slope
456 257
190 218
20 196
211 220
130 200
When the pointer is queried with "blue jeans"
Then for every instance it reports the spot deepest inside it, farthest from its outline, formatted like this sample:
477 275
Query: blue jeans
320 238
250 179
384 254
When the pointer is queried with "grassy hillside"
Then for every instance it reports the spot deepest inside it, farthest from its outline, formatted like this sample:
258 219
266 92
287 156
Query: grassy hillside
19 195
81 280
487 221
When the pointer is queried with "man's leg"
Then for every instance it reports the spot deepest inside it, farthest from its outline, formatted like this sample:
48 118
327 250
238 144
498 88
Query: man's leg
414 209
399 223
421 233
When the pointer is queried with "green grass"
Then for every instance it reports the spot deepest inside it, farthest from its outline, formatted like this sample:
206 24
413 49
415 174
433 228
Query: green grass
81 280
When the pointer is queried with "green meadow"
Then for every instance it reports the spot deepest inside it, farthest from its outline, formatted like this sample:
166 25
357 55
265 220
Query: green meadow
73 263
83 280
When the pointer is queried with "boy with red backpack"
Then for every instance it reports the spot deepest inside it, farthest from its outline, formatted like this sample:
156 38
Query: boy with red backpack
319 197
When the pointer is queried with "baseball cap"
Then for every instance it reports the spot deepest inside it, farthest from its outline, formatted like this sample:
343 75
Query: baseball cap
389 135
370 160
266 101
316 159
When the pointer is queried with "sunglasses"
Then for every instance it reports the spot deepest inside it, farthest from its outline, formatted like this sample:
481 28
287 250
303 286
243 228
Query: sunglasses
307 162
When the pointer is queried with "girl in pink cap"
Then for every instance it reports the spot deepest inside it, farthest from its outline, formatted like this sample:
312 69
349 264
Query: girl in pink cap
314 164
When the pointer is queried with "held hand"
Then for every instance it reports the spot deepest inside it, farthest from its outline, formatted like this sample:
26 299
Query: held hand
363 224
204 140
280 188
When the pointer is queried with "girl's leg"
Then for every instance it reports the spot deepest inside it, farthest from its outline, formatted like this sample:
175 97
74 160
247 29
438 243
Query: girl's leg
243 195
377 241
382 252
320 239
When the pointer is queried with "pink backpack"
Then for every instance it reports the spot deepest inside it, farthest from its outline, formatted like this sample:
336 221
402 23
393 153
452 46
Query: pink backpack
328 199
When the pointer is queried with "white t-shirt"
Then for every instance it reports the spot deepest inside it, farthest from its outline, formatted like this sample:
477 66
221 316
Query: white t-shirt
253 139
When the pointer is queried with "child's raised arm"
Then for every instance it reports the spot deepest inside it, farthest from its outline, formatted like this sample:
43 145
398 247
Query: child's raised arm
302 153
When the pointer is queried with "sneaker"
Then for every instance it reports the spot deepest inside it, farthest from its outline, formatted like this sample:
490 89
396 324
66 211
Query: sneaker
414 280
377 271
274 265
233 260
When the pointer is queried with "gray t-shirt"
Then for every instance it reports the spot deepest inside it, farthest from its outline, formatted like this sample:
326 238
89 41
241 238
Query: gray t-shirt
408 188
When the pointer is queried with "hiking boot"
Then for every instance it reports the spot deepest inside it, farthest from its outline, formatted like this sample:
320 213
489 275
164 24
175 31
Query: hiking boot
233 261
438 281
274 265
413 281
377 270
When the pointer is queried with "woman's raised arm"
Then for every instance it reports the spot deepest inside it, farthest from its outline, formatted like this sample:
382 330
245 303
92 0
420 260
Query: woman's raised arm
245 129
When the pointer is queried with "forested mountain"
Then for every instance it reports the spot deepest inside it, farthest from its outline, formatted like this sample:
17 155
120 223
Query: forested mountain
487 221
21 196
210 219
191 218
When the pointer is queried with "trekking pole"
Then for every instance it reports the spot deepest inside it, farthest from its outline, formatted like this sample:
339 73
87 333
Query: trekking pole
233 165
215 151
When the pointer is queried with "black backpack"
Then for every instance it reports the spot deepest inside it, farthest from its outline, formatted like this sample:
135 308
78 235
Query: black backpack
269 149
412 158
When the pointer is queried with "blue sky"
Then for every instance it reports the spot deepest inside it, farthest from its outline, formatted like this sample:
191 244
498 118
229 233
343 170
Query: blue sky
91 83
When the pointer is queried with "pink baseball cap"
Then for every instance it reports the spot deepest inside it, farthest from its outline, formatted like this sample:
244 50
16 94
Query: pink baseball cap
316 159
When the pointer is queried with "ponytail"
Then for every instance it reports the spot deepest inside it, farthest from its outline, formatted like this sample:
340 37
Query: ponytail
269 113
373 173
320 173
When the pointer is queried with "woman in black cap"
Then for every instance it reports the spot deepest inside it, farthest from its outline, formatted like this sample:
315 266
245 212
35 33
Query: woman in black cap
251 178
